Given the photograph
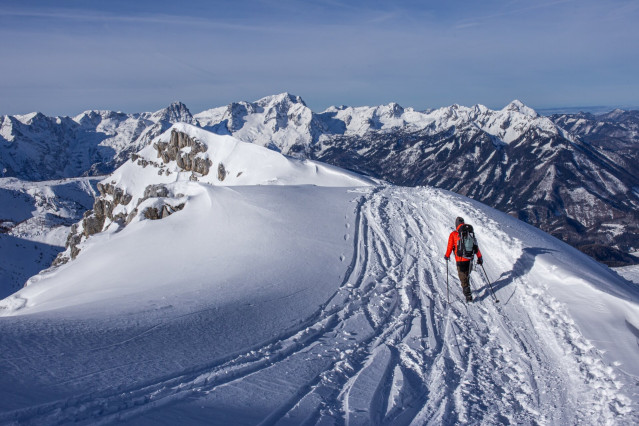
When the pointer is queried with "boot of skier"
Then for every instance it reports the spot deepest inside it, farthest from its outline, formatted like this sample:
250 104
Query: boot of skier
463 258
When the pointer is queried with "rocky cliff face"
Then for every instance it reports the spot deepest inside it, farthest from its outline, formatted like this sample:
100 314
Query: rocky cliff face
186 159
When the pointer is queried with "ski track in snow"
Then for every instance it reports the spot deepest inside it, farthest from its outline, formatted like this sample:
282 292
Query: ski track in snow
387 347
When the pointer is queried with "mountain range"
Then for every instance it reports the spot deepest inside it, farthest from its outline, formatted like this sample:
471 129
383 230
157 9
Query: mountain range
574 176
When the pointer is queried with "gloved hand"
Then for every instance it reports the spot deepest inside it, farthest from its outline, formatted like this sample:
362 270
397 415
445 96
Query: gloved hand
446 257
480 260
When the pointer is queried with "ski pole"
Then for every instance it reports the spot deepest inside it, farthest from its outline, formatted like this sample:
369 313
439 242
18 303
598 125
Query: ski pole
490 284
447 291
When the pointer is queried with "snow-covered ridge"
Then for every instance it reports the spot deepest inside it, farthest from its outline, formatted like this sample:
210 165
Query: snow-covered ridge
234 163
337 299
153 184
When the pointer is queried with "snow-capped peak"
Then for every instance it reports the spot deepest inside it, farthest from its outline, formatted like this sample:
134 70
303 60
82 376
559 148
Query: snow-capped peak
176 112
614 114
30 118
518 106
95 117
480 109
285 99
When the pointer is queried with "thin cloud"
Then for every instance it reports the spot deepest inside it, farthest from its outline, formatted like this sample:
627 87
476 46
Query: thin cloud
175 20
479 20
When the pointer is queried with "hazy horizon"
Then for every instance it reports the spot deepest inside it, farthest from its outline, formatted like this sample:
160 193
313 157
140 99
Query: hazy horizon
593 109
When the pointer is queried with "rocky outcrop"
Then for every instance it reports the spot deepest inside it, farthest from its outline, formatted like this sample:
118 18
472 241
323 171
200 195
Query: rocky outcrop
5 226
221 172
94 220
118 194
185 151
154 191
154 213
102 215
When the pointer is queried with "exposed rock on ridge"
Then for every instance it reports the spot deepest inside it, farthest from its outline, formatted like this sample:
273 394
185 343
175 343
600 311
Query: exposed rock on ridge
188 160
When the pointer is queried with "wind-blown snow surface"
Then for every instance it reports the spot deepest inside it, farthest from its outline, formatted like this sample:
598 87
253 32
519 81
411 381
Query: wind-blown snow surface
306 304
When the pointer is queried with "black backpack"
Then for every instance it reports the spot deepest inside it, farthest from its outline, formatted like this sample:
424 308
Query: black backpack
467 244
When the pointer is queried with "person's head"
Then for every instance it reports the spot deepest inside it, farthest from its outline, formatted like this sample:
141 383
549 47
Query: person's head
458 222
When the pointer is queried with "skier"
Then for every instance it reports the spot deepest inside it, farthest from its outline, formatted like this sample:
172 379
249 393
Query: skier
462 240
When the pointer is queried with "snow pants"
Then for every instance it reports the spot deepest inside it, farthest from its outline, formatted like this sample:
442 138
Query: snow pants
463 269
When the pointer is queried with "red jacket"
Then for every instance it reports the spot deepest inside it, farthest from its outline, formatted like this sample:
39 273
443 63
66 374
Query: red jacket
452 246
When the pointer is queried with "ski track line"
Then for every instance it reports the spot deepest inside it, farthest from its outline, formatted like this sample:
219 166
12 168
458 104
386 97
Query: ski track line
149 395
387 348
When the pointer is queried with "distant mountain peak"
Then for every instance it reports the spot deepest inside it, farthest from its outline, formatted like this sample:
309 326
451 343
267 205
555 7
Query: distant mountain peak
395 109
614 114
480 109
282 98
174 113
30 117
518 106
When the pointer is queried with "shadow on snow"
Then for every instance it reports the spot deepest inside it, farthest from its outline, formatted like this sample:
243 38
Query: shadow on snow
521 267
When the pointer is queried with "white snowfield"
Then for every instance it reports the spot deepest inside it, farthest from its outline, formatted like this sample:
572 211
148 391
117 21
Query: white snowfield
317 304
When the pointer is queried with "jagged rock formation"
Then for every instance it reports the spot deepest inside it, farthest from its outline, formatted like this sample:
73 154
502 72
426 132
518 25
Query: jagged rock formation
187 159
102 215
114 207
94 220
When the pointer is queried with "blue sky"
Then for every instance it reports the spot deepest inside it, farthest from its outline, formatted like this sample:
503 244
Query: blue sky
65 57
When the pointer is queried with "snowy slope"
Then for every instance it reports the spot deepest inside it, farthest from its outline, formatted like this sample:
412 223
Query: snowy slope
293 304
35 219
